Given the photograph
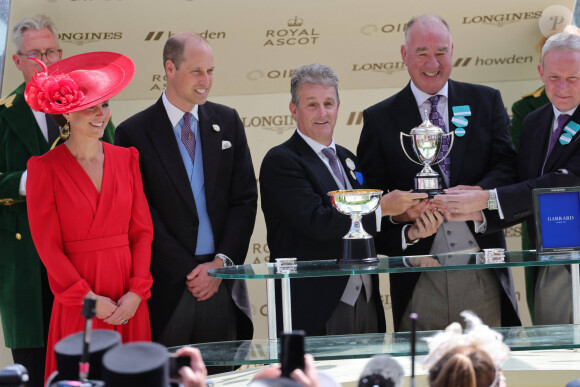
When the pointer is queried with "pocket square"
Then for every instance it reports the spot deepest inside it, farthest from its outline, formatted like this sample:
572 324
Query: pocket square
226 145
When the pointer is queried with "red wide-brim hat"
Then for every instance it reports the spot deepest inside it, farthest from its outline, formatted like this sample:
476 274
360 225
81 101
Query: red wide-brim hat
79 82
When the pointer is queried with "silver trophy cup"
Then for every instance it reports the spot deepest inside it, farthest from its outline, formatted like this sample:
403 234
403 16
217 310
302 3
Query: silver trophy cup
427 139
357 244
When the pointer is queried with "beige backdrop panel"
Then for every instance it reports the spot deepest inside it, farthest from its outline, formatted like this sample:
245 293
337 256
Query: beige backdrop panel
257 43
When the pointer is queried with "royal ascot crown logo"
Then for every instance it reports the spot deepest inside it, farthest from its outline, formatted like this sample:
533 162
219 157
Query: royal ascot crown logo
379 67
371 29
164 35
80 38
502 19
276 123
296 34
257 74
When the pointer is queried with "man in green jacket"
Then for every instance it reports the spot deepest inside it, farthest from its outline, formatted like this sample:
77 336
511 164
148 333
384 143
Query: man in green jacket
25 298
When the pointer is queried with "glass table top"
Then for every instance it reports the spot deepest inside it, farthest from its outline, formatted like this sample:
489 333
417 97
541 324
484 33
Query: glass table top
264 351
415 263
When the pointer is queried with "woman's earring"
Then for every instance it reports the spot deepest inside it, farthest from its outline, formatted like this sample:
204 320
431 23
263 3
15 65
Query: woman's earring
65 132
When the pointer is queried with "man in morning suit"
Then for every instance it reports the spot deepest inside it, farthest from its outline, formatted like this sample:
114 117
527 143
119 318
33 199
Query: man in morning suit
295 178
199 180
483 156
549 157
25 297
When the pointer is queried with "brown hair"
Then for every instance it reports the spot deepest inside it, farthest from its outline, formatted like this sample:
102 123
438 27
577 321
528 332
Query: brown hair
463 366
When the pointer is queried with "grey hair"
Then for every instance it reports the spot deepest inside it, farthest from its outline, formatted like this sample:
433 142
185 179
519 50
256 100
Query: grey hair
561 41
426 18
315 74
35 23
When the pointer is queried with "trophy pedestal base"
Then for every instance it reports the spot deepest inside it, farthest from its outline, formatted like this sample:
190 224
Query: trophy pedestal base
431 185
358 251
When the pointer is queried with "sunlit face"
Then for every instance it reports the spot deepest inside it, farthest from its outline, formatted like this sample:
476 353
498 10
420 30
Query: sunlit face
34 40
316 111
90 122
190 84
561 75
428 55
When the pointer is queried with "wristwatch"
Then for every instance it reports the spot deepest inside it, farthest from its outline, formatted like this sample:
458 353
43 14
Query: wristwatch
492 201
225 259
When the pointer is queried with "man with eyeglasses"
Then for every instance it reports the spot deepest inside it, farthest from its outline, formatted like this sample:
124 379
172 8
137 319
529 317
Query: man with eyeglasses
25 297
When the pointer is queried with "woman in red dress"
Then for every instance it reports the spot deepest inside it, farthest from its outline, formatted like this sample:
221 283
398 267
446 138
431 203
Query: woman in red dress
88 214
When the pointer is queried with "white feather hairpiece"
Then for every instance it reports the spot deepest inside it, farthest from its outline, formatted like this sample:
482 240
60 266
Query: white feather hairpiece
477 335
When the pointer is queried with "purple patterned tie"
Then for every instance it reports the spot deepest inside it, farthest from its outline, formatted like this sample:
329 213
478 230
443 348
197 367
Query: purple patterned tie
437 120
562 119
187 136
331 156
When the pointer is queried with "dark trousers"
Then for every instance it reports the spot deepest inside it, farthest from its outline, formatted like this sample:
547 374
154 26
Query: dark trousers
360 318
34 359
195 322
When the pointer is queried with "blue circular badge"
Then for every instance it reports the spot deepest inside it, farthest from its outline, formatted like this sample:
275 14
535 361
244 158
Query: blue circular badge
459 132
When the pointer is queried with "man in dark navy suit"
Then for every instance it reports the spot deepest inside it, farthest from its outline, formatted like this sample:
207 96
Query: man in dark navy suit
200 184
295 178
482 155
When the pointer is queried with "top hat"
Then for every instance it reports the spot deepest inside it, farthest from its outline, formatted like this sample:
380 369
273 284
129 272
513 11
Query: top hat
78 82
140 364
68 353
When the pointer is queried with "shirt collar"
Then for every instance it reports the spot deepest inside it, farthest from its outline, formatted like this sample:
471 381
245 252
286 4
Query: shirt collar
316 146
421 96
557 112
175 114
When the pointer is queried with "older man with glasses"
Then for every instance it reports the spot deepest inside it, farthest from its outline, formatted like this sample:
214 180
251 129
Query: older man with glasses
25 298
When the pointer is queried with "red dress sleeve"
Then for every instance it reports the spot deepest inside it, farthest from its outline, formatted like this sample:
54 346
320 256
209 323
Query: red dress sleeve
66 284
140 234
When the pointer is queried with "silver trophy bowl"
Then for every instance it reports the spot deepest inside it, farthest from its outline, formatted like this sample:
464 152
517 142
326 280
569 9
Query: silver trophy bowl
358 245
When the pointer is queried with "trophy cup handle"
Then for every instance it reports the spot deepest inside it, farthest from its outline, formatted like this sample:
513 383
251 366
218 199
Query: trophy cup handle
401 134
452 134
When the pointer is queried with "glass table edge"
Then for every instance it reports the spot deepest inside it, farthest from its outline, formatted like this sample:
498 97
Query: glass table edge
510 337
312 268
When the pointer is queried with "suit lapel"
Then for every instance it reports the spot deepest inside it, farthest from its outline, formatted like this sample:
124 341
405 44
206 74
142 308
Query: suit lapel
350 168
20 116
211 141
539 136
409 116
314 164
561 150
460 144
165 143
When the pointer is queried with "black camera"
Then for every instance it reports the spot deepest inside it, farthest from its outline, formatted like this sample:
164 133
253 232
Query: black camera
292 352
14 375
175 364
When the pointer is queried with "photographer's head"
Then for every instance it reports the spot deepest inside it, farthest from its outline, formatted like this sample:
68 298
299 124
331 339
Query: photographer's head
464 366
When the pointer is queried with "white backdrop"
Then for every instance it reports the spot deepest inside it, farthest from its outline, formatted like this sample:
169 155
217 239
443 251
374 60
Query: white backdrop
257 43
